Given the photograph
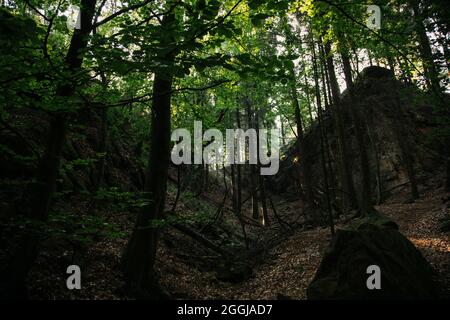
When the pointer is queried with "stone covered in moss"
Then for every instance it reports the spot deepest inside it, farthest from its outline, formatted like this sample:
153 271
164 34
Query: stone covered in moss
405 274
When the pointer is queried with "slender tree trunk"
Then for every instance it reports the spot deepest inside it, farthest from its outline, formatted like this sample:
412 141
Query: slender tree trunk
355 54
206 183
13 274
406 148
305 171
326 91
366 193
261 181
425 51
252 171
347 70
377 163
370 58
322 144
140 254
238 169
308 101
283 134
102 148
103 139
238 189
342 143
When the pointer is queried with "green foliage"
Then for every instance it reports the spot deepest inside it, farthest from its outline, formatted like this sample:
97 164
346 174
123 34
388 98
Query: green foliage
121 200
222 55
85 229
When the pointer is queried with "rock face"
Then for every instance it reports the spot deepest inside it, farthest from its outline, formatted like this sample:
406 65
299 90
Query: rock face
405 274
378 98
375 72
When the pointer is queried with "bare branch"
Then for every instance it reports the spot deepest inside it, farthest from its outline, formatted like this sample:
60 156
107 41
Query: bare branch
149 96
121 11
37 11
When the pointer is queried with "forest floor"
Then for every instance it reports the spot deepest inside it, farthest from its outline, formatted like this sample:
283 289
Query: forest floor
293 263
285 271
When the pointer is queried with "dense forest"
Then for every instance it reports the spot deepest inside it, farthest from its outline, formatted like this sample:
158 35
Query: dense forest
206 149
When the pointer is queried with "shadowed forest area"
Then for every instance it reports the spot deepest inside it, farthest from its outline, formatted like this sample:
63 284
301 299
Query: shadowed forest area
348 196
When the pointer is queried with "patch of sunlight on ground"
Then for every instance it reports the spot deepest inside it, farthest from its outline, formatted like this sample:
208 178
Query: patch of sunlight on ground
436 243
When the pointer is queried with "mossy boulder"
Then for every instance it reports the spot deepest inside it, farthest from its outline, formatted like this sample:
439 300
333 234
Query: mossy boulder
405 274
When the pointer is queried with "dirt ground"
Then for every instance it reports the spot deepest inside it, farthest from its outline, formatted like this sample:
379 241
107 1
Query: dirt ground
286 271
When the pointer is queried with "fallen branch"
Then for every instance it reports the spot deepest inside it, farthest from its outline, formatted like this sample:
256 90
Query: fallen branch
201 239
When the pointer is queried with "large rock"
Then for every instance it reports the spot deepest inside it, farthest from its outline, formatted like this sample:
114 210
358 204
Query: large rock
405 274
378 98
375 72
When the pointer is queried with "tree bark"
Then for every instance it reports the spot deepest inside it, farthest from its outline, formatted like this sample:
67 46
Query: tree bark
322 144
347 69
140 254
425 50
342 143
253 192
365 201
261 181
405 146
305 172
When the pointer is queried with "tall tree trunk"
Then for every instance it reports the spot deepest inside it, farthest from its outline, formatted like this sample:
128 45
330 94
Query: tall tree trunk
261 181
305 172
252 171
327 88
103 139
425 50
283 133
365 201
140 254
347 70
405 146
356 59
342 143
376 155
327 154
206 183
238 208
370 58
102 149
322 144
308 101
13 275
238 171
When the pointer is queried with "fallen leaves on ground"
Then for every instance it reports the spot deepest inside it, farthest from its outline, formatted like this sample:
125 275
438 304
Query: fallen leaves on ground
287 269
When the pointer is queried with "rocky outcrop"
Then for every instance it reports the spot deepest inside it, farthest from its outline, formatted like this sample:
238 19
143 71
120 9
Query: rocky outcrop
379 98
404 272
